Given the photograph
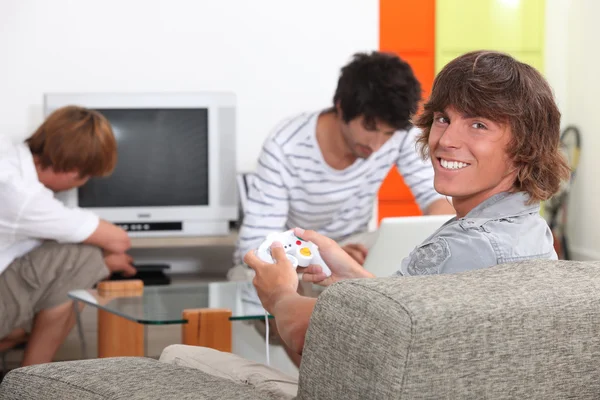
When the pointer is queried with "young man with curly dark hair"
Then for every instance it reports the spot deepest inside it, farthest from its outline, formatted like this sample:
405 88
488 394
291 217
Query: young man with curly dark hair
323 169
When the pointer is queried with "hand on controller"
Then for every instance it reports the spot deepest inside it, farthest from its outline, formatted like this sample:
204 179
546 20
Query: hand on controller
275 278
299 252
340 264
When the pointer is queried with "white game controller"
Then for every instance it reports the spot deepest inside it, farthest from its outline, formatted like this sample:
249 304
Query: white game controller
300 252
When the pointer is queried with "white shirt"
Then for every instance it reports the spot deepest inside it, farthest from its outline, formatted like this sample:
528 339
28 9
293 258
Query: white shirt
294 186
29 213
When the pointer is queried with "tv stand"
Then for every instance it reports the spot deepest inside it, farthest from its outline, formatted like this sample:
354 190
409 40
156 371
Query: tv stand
184 241
211 255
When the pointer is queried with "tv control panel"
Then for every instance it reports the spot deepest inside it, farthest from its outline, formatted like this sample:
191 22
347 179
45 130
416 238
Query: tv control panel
150 226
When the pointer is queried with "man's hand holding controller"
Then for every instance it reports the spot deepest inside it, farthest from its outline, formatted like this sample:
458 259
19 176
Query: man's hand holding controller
321 260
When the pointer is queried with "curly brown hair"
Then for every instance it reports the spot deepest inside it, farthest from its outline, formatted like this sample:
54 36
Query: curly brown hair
78 139
495 86
380 87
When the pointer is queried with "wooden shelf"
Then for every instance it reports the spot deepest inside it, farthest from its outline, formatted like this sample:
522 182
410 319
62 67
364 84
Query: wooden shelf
192 241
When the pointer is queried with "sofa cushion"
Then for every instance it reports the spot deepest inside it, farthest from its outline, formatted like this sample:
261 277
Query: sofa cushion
233 368
128 378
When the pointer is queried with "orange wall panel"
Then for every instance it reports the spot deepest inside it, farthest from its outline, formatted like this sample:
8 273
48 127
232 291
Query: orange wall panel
389 191
388 209
407 25
407 28
423 66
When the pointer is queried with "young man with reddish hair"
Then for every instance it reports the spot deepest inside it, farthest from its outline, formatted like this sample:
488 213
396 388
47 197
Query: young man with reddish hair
47 249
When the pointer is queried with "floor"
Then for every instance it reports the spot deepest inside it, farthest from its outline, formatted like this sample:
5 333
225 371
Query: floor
246 340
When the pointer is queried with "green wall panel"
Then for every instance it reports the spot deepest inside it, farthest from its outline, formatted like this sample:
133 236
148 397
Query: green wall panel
513 26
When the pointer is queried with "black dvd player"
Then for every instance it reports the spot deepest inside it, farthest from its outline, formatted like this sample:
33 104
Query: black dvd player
150 274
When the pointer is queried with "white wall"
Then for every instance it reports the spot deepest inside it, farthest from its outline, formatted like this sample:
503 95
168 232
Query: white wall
571 68
583 102
556 52
279 57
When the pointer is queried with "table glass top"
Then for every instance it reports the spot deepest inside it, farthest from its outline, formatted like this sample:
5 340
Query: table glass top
165 304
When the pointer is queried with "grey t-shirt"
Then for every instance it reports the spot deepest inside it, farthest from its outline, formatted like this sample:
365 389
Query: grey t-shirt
502 229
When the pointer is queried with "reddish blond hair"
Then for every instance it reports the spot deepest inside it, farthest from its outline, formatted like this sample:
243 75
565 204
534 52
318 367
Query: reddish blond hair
75 139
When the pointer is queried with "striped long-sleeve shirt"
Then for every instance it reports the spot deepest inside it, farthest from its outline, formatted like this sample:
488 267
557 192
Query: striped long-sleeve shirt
294 186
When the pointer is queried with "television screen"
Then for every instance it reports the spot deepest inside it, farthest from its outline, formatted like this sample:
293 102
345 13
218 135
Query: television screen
162 160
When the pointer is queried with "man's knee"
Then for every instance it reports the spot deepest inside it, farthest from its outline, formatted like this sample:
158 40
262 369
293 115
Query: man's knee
91 254
197 357
170 353
61 268
42 279
68 257
81 251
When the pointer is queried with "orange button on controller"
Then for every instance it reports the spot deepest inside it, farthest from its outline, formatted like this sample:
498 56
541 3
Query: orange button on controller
305 251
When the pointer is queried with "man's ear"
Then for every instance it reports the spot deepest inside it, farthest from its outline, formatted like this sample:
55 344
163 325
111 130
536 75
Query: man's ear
338 109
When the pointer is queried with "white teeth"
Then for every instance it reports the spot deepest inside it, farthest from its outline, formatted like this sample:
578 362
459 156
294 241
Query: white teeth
452 164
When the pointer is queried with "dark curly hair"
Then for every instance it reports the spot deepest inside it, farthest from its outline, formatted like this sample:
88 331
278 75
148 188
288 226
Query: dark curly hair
494 85
380 87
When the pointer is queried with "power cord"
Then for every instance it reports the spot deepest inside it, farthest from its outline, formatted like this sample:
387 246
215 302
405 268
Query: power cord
267 337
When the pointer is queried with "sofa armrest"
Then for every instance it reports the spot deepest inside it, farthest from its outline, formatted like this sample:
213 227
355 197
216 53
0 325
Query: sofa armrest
356 345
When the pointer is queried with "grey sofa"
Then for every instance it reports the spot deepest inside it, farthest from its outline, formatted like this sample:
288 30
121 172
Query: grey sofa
527 330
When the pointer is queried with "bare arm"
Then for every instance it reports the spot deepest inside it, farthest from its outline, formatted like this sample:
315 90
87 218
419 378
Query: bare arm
440 207
276 284
292 315
110 238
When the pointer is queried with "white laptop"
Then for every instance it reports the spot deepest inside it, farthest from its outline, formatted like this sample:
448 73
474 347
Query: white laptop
396 238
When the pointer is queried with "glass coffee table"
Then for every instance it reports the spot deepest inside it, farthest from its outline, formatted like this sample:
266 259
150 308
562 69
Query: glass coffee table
205 311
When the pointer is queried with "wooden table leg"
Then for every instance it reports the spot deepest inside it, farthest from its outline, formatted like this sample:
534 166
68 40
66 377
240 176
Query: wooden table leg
207 327
117 336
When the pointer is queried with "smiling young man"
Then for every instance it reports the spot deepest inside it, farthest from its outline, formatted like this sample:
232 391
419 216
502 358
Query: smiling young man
491 128
323 169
